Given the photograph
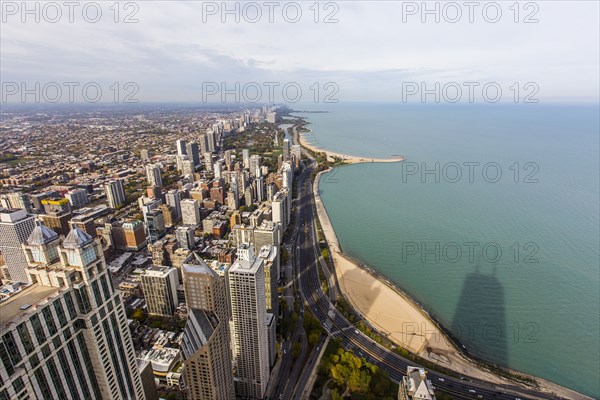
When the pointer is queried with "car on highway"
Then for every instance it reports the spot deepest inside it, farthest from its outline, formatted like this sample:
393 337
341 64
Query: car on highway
471 391
441 379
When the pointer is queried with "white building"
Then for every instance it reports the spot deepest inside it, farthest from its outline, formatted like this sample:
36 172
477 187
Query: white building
15 227
153 175
77 198
246 282
190 212
415 385
160 289
281 210
115 193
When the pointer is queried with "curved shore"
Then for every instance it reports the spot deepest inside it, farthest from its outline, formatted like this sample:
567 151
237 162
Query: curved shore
399 317
348 159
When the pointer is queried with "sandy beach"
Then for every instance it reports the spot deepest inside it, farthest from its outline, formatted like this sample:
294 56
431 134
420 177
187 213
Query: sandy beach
400 318
347 158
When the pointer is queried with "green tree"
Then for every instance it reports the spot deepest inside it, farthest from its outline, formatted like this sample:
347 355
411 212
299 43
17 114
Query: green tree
138 315
313 338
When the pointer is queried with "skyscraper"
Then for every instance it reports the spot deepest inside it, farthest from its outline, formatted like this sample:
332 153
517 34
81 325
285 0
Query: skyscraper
218 169
193 152
155 224
260 189
281 211
15 228
153 175
190 212
211 143
66 335
173 198
188 169
77 197
181 147
287 175
205 346
246 282
286 149
208 161
270 256
185 237
246 158
115 193
160 290
254 165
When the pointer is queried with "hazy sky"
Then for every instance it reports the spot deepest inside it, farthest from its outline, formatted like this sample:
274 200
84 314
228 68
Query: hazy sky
376 51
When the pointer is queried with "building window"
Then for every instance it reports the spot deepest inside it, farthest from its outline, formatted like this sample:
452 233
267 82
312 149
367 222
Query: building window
38 329
25 337
11 348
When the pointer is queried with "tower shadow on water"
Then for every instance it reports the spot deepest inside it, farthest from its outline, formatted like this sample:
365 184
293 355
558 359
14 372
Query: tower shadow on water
479 321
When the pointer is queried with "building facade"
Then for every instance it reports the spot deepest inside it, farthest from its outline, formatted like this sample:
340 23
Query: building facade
246 283
15 227
206 346
160 290
66 335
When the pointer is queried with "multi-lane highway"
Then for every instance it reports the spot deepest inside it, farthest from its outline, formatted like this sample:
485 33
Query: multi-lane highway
306 255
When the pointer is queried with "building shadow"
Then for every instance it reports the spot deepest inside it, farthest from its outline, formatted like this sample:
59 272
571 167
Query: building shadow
479 323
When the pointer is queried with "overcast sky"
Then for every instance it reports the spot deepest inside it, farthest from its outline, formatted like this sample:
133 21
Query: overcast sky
372 52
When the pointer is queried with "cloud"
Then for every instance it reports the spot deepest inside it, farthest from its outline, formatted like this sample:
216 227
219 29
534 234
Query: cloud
176 46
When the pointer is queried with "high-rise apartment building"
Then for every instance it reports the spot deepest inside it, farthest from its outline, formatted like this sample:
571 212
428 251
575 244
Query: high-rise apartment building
193 152
160 290
115 193
190 212
77 197
188 169
211 142
15 227
134 234
153 175
185 237
206 346
281 211
181 147
270 256
167 213
173 199
155 224
246 158
254 165
66 335
246 283
286 149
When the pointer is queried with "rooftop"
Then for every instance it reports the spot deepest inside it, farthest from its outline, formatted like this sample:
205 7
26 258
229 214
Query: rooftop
76 239
17 304
41 235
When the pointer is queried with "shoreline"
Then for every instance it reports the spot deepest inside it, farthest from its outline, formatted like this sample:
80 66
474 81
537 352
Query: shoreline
357 282
348 159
